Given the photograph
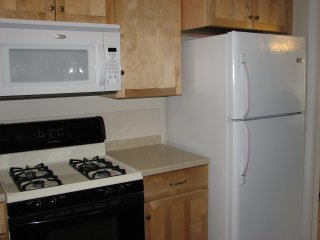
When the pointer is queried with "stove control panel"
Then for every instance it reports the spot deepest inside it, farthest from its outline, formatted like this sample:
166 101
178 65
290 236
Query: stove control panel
101 195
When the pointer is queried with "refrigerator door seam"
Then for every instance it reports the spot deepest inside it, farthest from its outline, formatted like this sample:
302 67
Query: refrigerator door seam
263 117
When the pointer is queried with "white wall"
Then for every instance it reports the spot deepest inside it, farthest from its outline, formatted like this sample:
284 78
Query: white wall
306 23
125 119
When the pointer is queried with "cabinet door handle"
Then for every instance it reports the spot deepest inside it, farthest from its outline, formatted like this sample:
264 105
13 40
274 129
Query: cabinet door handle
148 217
61 8
257 18
51 8
251 17
178 183
60 36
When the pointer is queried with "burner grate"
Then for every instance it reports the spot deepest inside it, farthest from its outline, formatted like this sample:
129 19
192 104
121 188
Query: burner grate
96 168
31 178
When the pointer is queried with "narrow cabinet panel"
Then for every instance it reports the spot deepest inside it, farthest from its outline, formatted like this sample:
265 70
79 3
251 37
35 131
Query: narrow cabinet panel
273 15
231 13
95 11
150 47
27 9
262 15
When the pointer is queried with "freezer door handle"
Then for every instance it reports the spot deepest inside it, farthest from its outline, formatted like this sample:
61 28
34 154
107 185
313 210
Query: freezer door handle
246 86
245 162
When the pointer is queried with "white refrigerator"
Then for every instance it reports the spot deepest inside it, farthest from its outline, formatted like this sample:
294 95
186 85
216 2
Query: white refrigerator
242 106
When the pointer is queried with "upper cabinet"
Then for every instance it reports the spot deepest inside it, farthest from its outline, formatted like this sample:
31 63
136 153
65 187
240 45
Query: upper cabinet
150 47
150 37
95 11
260 15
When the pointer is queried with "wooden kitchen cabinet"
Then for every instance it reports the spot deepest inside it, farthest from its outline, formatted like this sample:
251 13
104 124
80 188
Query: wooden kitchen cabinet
150 37
97 11
176 205
150 47
3 222
258 15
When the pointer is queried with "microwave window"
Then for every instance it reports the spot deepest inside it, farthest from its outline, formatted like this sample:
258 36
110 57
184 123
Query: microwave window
48 65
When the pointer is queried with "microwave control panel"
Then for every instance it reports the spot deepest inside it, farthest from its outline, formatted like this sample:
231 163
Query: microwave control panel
113 71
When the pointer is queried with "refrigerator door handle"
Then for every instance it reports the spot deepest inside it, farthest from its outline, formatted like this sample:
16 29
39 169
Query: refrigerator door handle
245 162
246 86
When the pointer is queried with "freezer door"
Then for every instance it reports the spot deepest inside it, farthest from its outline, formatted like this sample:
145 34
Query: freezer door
267 179
266 75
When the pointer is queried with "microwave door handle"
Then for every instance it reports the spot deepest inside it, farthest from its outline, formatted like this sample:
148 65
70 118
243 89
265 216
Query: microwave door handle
102 77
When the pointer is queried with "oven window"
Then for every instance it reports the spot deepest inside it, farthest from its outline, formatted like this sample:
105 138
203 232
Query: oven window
117 223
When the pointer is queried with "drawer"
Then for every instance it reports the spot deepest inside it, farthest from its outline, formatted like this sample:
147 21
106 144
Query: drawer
176 182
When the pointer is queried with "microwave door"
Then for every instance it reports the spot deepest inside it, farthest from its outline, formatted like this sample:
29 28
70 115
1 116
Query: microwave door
78 63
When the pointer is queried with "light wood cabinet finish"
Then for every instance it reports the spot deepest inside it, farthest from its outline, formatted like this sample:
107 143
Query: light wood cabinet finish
3 222
94 11
3 219
150 47
262 15
176 205
4 237
97 11
150 37
273 15
27 9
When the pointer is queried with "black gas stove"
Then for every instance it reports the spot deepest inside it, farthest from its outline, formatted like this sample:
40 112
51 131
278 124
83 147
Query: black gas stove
60 184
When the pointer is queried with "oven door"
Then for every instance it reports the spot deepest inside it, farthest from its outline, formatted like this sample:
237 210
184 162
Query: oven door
116 219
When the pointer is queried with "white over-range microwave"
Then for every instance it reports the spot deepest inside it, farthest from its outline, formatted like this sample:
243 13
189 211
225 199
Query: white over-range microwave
47 59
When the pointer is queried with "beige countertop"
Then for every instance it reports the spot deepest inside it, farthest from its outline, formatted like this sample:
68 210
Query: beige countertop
155 159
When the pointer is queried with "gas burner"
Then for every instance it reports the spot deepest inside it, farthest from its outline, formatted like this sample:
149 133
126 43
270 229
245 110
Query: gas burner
96 168
30 178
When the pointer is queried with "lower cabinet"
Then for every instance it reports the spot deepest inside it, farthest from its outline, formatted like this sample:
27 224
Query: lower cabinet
4 237
3 222
176 205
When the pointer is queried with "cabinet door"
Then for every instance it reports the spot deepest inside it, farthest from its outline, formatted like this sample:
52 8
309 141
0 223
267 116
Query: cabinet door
179 217
220 13
150 47
96 11
4 237
28 9
3 219
273 15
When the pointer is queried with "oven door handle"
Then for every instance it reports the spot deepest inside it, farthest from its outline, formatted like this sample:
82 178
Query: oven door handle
54 219
96 210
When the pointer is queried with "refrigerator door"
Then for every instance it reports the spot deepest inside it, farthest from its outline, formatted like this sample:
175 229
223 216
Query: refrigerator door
267 179
266 75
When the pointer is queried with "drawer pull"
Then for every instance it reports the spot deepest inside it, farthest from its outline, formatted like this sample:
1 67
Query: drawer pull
148 217
178 183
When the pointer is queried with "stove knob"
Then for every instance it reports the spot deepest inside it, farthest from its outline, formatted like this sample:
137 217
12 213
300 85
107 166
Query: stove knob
34 204
108 191
52 202
121 188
